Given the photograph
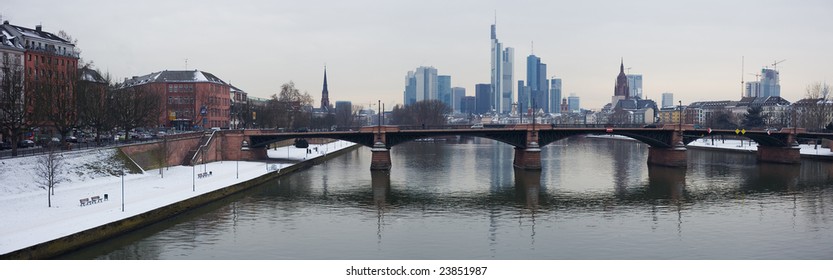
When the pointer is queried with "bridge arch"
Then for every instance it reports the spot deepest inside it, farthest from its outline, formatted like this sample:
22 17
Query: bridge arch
654 138
262 141
763 138
516 138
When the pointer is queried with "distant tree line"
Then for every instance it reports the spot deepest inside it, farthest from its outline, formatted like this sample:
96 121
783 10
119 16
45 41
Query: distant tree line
422 113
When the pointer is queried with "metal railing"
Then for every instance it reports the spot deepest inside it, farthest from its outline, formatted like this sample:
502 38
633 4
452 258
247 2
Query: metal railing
88 145
202 147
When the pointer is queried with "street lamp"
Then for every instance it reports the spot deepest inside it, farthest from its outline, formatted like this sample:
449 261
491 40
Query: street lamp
379 107
682 142
122 189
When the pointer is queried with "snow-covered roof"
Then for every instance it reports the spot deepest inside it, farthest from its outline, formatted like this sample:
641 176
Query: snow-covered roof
176 76
90 75
39 34
37 40
9 41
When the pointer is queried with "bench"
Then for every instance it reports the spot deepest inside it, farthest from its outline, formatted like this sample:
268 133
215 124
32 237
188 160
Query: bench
95 199
84 201
204 174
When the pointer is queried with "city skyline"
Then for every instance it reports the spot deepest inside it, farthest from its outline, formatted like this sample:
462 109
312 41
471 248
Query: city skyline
693 49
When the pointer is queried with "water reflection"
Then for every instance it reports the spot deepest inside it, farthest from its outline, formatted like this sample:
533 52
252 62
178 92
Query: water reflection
666 183
772 177
464 200
528 187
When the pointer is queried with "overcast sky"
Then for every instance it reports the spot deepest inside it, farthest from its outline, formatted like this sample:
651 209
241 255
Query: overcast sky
690 48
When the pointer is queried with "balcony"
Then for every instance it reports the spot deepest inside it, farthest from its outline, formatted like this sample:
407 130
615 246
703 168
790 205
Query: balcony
53 51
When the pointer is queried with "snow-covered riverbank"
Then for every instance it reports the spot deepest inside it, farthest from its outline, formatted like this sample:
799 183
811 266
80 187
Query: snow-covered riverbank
26 220
731 144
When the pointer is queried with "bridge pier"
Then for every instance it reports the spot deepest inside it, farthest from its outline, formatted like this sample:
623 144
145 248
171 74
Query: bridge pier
528 158
788 155
671 157
380 158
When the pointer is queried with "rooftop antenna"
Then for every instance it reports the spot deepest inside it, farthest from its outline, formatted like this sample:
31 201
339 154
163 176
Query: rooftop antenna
742 84
186 64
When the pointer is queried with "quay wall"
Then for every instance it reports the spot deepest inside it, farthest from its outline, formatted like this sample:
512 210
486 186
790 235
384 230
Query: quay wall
66 244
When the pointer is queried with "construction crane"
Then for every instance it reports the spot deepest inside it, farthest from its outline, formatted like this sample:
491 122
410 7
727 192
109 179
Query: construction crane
775 64
757 76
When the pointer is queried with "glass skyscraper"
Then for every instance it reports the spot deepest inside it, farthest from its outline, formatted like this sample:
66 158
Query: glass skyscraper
502 75
536 82
555 95
444 89
635 85
770 85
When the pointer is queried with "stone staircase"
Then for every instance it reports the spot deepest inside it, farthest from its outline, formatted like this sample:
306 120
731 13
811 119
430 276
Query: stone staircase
194 154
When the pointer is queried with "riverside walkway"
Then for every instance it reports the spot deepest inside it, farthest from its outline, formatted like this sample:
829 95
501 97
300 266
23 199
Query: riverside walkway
28 221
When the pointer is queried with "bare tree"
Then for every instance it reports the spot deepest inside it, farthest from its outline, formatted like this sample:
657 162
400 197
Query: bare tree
12 105
52 100
817 107
426 112
92 104
288 108
49 172
721 119
135 107
64 35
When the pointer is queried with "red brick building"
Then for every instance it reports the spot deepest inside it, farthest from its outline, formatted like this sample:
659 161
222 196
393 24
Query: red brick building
193 98
46 55
51 62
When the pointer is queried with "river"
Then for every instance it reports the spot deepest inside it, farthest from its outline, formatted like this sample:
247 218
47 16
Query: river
462 199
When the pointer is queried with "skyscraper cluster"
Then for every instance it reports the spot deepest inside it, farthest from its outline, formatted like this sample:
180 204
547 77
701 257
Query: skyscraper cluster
498 96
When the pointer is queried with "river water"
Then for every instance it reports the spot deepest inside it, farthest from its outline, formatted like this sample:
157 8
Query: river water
462 199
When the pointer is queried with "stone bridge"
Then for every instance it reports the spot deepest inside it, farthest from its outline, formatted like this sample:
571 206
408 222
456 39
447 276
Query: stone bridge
667 144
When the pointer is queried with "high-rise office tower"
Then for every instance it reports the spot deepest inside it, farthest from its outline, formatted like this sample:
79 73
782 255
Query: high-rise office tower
410 88
468 104
457 94
483 95
536 78
635 85
770 85
573 103
502 74
523 97
555 95
444 89
426 83
667 99
753 89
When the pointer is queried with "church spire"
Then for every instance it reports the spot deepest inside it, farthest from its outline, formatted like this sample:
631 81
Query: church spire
325 94
621 66
621 88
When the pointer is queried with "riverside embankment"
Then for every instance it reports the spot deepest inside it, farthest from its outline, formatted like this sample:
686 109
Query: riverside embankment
33 230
